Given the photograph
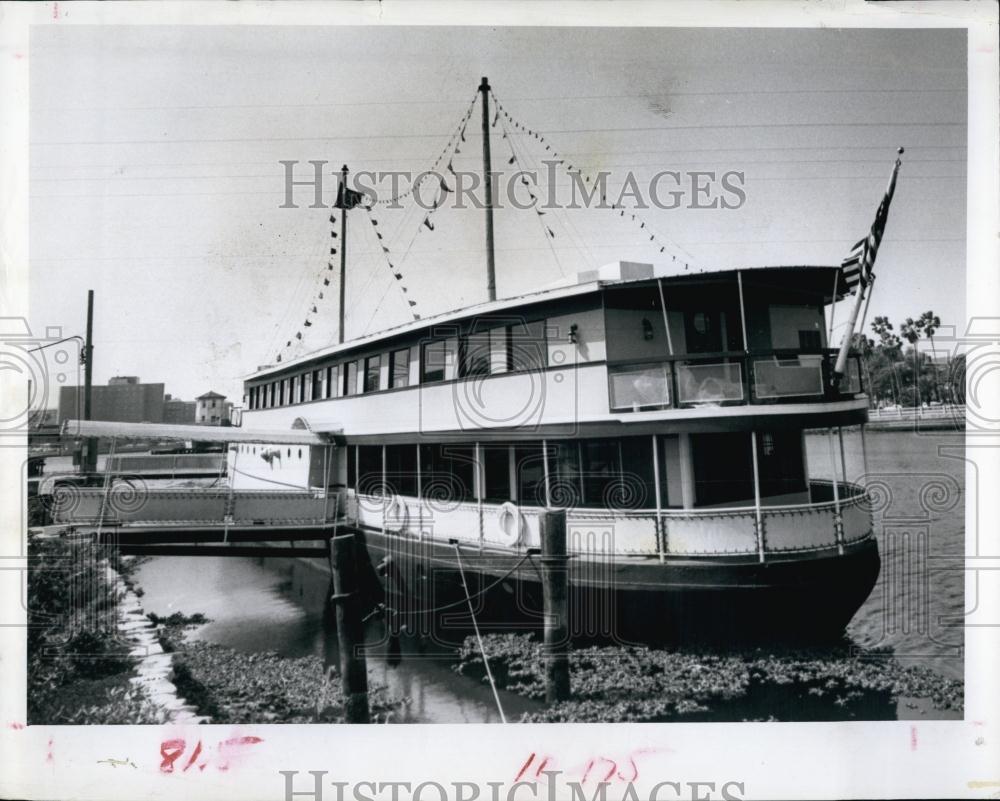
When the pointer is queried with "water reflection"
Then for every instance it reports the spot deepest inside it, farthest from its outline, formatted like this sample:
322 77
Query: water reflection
280 605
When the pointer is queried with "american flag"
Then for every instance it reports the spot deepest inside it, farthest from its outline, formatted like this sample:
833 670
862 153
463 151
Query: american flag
857 267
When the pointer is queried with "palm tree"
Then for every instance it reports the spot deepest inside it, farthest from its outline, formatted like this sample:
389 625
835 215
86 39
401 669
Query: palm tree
887 339
911 332
866 349
889 350
931 323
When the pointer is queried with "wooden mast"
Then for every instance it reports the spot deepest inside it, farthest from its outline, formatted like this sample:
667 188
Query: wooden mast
343 251
491 280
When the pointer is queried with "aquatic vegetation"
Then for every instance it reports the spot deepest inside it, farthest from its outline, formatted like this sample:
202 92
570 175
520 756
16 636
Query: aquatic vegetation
235 687
626 683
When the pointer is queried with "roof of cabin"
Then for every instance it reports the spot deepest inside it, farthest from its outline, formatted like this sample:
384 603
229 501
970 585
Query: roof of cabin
194 433
595 283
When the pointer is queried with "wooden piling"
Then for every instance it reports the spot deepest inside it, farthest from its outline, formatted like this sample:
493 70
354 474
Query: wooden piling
350 632
555 592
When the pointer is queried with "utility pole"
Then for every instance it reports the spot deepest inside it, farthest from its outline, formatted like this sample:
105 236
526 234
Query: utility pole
89 463
491 278
343 250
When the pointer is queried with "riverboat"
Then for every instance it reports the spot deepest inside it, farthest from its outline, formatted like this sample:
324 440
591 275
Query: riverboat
667 414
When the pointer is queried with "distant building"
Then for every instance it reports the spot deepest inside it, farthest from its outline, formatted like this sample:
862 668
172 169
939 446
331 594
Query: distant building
123 400
44 418
178 411
212 409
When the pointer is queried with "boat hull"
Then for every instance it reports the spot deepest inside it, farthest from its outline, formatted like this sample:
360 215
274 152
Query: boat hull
800 597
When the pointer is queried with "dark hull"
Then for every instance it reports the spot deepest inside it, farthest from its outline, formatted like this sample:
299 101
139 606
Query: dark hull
794 598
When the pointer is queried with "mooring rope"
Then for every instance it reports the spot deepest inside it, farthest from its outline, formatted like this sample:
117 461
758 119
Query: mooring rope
479 637
443 607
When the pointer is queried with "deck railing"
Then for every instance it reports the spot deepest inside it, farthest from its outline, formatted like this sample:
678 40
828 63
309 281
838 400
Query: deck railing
825 523
729 378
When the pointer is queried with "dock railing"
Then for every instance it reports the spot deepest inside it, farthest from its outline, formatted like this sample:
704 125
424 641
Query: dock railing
133 503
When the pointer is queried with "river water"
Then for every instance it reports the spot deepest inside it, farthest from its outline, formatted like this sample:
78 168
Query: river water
276 604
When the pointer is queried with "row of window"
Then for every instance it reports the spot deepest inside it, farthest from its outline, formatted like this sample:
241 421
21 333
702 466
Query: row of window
498 350
598 473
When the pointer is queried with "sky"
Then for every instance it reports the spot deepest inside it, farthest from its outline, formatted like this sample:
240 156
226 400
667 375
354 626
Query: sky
155 174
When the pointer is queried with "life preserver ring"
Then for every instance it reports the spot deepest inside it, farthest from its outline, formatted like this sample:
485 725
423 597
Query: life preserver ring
511 524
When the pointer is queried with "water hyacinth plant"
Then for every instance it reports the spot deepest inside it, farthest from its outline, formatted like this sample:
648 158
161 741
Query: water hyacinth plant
639 684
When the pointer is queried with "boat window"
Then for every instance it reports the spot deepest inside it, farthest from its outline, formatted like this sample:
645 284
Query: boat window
350 371
496 473
373 369
723 469
370 469
780 463
530 473
603 473
401 469
294 397
399 368
527 346
439 360
475 354
565 485
810 339
500 359
352 465
319 377
332 381
447 472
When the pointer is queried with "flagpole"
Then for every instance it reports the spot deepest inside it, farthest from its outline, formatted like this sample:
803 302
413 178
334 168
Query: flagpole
343 251
833 307
866 262
845 346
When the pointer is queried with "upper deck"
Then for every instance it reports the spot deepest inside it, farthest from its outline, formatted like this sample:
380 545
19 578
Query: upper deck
624 348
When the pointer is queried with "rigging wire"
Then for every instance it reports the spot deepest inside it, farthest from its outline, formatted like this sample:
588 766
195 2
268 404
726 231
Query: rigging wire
569 169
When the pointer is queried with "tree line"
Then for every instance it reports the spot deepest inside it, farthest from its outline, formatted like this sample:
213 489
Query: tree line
897 372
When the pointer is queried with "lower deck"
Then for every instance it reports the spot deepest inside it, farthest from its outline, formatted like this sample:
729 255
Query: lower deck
743 493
